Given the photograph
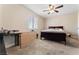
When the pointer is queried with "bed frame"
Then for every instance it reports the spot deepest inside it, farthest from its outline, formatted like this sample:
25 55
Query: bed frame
53 27
54 36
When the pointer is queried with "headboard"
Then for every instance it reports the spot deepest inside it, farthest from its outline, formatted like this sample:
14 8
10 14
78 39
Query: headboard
53 27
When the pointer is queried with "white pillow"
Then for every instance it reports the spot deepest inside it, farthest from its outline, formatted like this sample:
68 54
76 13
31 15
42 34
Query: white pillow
58 29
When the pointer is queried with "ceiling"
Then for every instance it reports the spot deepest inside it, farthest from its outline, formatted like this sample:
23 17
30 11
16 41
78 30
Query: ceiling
38 9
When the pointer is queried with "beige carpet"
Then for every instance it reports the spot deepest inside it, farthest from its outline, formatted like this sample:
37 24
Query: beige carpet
44 47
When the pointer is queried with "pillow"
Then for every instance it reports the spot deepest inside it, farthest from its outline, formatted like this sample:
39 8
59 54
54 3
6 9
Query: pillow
58 29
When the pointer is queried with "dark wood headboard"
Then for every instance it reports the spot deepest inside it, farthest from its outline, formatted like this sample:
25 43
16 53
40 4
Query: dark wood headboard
53 27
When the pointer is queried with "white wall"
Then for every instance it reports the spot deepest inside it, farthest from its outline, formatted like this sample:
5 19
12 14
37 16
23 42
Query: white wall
15 17
78 24
68 21
0 16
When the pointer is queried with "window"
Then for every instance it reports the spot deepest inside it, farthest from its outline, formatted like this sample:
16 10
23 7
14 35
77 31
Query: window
32 23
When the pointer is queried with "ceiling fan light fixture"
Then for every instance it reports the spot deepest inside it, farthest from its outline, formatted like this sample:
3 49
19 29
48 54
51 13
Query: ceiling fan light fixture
50 7
51 11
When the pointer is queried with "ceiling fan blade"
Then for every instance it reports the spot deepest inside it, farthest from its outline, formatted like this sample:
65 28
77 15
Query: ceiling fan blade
59 6
45 10
56 11
49 13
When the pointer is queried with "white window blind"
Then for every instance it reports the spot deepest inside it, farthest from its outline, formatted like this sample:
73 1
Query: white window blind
33 23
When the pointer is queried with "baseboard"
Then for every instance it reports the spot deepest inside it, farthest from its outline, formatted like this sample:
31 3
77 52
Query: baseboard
74 36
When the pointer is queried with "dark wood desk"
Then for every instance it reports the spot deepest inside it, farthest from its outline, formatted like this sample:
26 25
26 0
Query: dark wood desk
17 36
2 44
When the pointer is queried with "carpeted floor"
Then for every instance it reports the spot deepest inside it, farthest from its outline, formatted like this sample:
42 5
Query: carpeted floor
44 47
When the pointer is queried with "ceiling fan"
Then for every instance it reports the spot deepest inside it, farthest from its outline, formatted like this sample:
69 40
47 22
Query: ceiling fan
53 8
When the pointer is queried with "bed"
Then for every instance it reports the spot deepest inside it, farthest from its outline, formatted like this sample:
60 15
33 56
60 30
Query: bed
54 33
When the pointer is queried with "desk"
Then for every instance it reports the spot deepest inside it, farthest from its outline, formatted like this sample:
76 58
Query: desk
2 44
17 36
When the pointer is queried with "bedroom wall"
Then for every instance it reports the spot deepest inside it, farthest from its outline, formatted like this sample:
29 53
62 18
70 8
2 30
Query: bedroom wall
78 24
69 22
16 17
0 16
